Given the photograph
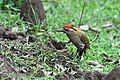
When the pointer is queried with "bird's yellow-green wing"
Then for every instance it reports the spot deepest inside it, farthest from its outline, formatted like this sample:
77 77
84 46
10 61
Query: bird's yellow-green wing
83 37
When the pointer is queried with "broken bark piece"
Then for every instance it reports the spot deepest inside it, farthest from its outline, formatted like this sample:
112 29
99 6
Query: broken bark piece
32 11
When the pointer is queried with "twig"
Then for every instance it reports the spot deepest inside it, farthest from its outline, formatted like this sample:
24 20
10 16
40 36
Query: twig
81 15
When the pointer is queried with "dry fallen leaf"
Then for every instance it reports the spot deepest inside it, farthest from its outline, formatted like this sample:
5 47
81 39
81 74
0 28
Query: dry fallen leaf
84 27
95 30
94 63
108 25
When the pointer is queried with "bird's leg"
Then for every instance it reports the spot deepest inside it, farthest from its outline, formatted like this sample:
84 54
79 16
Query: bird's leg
79 53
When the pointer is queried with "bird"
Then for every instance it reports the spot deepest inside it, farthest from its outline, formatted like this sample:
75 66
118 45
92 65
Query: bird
77 37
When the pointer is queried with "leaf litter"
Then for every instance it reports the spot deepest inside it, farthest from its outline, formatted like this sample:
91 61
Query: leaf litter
62 61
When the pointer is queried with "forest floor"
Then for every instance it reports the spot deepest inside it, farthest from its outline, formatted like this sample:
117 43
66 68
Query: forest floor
29 53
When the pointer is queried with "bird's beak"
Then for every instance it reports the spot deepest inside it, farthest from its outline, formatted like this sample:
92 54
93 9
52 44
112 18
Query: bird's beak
60 30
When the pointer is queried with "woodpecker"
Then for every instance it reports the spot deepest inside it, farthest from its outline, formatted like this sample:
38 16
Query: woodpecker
77 37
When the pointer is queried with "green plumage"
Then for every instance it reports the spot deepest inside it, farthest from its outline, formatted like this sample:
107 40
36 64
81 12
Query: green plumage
79 39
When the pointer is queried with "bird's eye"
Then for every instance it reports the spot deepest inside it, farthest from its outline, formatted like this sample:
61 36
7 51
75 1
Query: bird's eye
75 29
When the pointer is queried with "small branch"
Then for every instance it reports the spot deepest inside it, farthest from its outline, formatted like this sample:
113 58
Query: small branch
81 15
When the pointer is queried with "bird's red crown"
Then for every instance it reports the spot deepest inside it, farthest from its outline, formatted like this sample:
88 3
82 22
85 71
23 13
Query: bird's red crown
69 26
